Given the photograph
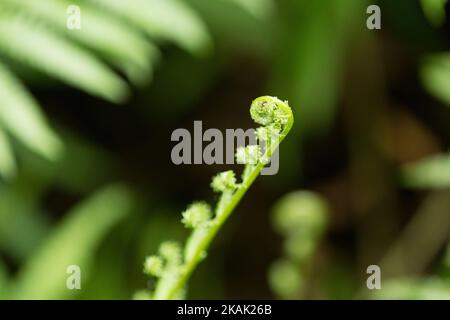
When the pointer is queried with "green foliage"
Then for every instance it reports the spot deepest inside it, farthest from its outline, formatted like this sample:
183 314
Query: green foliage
174 265
111 37
114 39
445 272
447 259
434 10
163 19
285 278
284 45
314 63
435 70
21 117
7 163
197 214
23 223
3 280
57 57
413 289
301 217
300 211
258 8
73 243
435 74
431 172
82 168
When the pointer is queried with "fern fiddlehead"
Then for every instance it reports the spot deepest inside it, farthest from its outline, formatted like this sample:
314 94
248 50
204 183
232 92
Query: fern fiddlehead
174 265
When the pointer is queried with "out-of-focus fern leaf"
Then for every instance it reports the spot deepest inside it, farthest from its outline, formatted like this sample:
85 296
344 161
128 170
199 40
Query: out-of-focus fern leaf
163 19
432 172
3 280
23 224
123 45
112 30
257 8
73 243
20 115
38 47
7 163
434 11
435 75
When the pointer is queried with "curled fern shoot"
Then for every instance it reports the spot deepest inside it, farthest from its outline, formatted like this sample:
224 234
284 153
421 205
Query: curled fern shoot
173 265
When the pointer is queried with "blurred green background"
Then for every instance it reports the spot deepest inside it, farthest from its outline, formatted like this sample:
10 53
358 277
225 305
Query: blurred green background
86 118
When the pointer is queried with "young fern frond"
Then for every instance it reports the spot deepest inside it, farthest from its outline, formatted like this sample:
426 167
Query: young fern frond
173 270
